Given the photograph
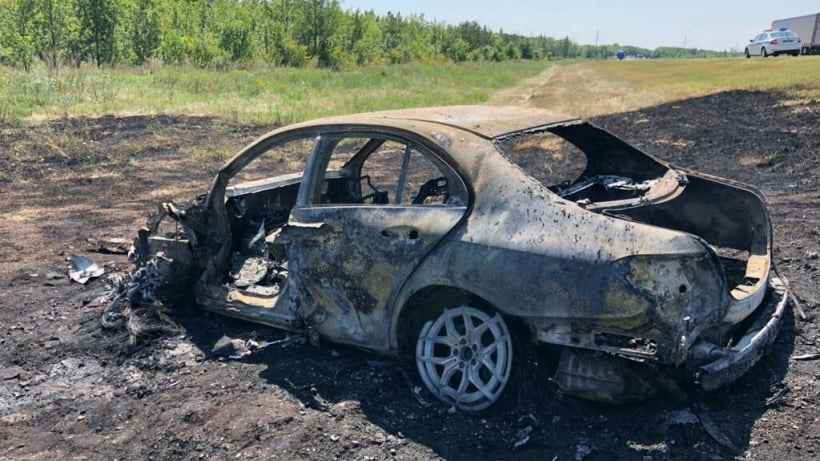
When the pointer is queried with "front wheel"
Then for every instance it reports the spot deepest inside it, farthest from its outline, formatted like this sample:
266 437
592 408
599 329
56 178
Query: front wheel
464 357
747 54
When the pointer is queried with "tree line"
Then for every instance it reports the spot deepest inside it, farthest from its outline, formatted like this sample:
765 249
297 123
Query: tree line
297 33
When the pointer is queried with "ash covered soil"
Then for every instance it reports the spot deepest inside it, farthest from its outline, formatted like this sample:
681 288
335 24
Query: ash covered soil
70 389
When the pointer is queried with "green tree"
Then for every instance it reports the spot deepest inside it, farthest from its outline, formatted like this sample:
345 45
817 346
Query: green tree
143 30
316 29
565 47
274 42
55 29
475 34
282 32
17 31
363 38
453 46
172 48
98 19
235 38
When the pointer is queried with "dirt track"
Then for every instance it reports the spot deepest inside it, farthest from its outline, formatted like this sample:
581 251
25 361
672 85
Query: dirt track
70 390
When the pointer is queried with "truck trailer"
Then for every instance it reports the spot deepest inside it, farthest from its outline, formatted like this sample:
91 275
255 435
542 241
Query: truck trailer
806 27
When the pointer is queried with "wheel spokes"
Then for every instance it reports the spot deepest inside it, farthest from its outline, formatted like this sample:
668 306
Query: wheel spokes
450 326
443 340
468 324
491 367
440 361
497 342
449 370
462 385
481 386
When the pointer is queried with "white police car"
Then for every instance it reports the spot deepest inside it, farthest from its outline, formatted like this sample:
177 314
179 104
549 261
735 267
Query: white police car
774 42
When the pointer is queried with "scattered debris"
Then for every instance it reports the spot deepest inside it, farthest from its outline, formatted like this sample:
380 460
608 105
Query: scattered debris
51 278
134 301
415 391
83 269
812 255
798 306
228 347
529 416
522 437
582 450
778 394
247 349
16 447
813 356
236 349
110 245
647 450
680 417
10 373
795 302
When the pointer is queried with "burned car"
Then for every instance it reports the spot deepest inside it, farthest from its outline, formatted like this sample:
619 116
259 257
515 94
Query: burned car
457 235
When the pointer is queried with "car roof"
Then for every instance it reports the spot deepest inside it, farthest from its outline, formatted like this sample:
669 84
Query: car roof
482 120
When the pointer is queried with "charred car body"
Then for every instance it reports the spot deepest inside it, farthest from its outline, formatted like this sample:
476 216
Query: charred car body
415 232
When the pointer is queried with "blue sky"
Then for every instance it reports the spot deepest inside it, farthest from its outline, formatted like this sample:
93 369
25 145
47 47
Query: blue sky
716 24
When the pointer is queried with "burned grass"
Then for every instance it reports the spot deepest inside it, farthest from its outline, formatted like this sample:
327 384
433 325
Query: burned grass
71 389
63 181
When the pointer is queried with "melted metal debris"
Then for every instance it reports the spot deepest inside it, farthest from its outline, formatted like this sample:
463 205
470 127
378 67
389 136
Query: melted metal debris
83 269
134 301
609 182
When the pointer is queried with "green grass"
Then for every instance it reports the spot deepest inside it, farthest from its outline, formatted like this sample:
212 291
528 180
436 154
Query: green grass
683 78
590 88
276 95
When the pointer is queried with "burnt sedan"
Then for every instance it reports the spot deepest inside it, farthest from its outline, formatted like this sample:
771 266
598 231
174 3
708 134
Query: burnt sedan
458 235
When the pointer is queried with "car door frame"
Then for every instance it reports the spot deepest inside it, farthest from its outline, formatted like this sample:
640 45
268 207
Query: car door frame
334 303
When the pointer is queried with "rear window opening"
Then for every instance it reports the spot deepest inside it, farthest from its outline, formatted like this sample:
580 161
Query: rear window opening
561 167
548 158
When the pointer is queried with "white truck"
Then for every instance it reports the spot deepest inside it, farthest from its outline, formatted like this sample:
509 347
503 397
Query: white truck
806 27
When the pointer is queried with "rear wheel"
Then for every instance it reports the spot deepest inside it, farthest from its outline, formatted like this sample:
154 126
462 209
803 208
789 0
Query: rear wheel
795 53
464 357
764 53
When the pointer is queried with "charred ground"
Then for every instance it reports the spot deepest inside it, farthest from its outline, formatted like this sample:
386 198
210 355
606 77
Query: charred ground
70 389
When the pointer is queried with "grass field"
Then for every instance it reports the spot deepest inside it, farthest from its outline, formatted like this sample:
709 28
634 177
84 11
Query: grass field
590 88
284 95
683 78
277 95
